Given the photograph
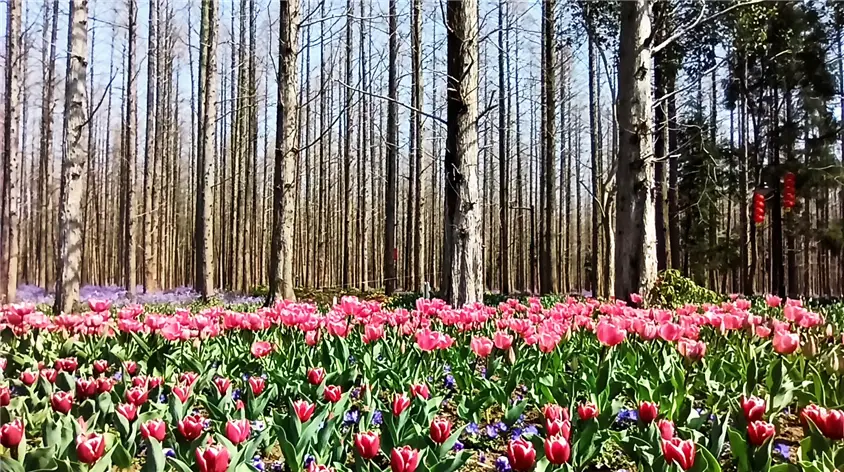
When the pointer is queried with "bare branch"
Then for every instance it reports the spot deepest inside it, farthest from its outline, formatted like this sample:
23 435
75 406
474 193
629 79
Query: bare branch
699 21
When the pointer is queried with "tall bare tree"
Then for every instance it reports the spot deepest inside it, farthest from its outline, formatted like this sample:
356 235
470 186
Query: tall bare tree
462 266
390 247
286 153
204 226
148 243
129 160
549 245
417 242
635 250
10 237
74 163
503 157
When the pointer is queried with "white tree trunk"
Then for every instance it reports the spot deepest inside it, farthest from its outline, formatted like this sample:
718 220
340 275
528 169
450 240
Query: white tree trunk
74 164
462 265
635 250
286 151
204 235
129 262
11 234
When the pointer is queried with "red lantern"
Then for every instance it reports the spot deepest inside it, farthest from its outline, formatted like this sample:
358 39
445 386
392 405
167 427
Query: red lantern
789 197
758 208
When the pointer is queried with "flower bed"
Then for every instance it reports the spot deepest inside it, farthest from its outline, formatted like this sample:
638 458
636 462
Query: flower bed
580 385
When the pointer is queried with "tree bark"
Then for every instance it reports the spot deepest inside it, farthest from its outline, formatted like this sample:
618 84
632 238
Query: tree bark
392 157
10 236
204 228
462 264
635 251
129 261
74 164
418 243
503 159
595 154
548 281
286 152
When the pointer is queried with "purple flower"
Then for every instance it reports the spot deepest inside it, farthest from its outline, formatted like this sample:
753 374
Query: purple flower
351 417
530 429
501 426
449 382
169 452
377 418
482 458
472 428
458 446
258 463
309 459
502 464
516 433
491 431
277 466
627 415
783 449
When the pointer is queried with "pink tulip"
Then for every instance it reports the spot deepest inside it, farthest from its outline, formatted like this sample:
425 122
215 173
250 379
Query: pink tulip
238 431
99 306
502 340
213 459
609 334
773 301
128 411
786 343
481 346
90 447
666 429
261 349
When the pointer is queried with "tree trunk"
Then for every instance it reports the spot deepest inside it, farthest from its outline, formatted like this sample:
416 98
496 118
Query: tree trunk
549 245
503 159
418 245
347 151
462 265
204 229
635 251
392 157
286 152
128 262
74 166
10 237
148 243
673 175
595 146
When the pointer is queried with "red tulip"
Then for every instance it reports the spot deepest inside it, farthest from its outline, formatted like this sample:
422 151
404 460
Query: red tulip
90 447
238 431
188 378
28 377
68 364
753 407
316 376
552 411
666 429
49 375
213 459
522 455
222 385
86 388
785 342
238 405
587 411
61 402
481 346
155 429
648 412
137 395
181 392
260 349
367 444
11 434
100 366
677 451
400 403
502 340
3 363
105 384
440 430
609 334
191 427
303 409
831 423
312 338
557 450
558 428
404 459
257 385
759 432
131 367
333 393
5 395
420 391
128 411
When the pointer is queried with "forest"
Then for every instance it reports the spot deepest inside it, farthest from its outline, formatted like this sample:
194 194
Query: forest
267 148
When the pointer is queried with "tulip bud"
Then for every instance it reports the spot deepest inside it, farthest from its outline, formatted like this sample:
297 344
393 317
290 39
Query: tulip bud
90 447
5 395
333 393
753 407
648 412
316 376
400 403
257 384
367 444
11 434
213 459
303 410
557 450
128 411
155 429
587 411
404 459
420 391
238 431
666 429
522 455
759 432
682 453
440 430
61 402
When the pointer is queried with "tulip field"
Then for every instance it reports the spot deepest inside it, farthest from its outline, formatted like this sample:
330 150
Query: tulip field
563 384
